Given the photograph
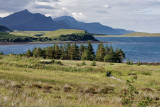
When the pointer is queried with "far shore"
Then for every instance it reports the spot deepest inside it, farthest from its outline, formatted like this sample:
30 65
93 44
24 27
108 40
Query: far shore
54 42
125 36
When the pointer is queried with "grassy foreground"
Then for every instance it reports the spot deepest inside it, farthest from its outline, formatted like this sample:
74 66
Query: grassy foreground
26 82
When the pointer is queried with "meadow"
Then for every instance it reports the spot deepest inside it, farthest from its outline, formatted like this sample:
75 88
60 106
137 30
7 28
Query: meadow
37 82
49 34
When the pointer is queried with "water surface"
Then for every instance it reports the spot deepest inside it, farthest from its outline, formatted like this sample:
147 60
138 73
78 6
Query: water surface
144 49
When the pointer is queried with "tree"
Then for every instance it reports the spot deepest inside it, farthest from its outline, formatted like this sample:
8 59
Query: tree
110 57
49 53
90 52
120 55
1 53
57 52
29 53
74 52
100 52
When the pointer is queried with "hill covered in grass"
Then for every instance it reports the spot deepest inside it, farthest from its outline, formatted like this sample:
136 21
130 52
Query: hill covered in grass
29 33
53 34
6 37
70 35
42 36
58 35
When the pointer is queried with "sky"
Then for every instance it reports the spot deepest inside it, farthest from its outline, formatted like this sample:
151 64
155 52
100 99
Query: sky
137 15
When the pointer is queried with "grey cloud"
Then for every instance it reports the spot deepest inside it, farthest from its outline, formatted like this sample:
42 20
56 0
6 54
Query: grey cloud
43 7
128 14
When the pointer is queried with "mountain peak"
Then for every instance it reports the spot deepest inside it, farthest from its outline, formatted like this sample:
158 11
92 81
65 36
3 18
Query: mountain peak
68 18
24 11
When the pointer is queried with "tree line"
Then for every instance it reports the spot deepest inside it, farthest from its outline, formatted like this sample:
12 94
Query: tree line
75 52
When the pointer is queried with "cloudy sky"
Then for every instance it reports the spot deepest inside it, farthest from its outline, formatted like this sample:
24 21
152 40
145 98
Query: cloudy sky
138 15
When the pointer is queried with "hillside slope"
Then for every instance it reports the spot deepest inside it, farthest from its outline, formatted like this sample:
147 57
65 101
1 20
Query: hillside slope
57 33
4 29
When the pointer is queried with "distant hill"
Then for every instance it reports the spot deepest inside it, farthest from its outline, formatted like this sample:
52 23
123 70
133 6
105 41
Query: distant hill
4 29
27 21
142 34
57 33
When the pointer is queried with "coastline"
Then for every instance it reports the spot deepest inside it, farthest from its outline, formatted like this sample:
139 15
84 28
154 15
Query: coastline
54 42
127 36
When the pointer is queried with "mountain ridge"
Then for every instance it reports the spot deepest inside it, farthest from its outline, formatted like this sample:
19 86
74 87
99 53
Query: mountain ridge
27 21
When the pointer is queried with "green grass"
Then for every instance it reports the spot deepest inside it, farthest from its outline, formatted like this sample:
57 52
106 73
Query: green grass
28 33
23 82
57 33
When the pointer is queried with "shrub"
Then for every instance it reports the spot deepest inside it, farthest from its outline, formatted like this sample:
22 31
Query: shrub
93 63
139 63
146 73
1 53
58 62
83 63
129 62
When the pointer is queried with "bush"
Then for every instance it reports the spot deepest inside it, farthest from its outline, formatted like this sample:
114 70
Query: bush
146 73
1 53
93 63
83 63
139 63
129 62
58 62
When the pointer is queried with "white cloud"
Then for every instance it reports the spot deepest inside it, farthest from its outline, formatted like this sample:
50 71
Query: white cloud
79 16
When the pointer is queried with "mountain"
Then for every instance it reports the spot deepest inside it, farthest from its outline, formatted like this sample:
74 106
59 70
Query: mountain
27 21
4 29
95 28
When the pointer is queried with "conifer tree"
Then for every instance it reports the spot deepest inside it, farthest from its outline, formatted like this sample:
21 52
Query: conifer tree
29 53
90 52
100 54
49 53
74 52
57 52
110 57
82 49
1 53
67 52
120 56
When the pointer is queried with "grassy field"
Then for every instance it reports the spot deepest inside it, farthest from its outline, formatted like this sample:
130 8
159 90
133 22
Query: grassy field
50 34
26 82
57 33
28 33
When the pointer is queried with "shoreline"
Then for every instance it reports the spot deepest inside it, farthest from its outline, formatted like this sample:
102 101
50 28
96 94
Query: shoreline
127 36
55 42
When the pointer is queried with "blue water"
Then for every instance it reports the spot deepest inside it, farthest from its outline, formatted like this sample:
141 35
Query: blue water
144 49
